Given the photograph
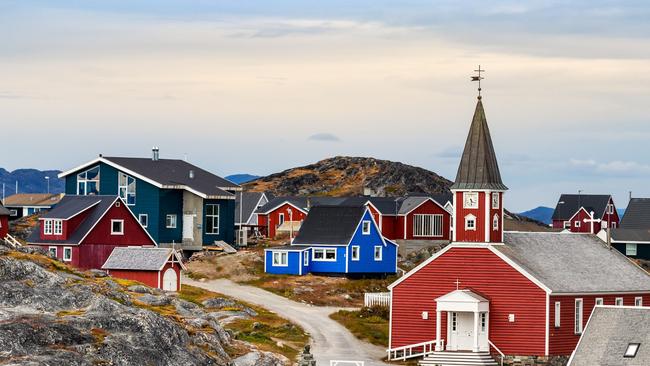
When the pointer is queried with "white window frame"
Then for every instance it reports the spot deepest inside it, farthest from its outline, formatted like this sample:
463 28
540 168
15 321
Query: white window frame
631 350
577 319
283 258
324 251
380 251
365 227
557 314
619 301
610 209
48 225
599 301
121 222
495 200
280 219
495 222
123 187
576 223
146 219
470 218
427 225
466 195
56 251
171 221
567 225
13 212
483 322
355 253
638 301
214 217
305 259
86 180
454 321
67 250
57 227
631 249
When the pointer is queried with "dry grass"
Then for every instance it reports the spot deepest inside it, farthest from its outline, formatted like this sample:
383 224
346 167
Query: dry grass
368 324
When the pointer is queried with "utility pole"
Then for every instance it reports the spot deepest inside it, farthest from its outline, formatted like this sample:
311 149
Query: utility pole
47 178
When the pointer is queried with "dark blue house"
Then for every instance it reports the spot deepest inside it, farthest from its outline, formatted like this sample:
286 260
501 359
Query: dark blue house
335 240
632 238
178 203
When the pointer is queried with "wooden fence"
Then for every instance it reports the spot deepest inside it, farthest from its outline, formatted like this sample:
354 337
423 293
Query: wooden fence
371 299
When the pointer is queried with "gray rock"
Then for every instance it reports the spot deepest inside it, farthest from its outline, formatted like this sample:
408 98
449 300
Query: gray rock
98 273
259 358
155 300
186 308
140 289
218 302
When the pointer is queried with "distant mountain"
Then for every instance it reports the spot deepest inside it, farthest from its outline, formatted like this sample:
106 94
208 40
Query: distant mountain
30 181
541 214
242 178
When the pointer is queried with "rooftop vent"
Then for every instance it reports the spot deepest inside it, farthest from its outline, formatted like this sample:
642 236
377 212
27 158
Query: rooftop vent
191 174
155 153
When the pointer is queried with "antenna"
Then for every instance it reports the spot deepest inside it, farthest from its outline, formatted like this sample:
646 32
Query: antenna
478 78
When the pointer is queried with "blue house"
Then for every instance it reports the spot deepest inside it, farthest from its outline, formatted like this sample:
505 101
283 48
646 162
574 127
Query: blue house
179 204
335 240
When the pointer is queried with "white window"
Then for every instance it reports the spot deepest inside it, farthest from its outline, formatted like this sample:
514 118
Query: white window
212 219
117 227
577 329
47 227
52 251
483 322
355 253
88 182
427 225
144 220
280 259
618 301
638 301
67 254
170 221
324 255
495 200
126 188
365 227
613 224
378 252
599 301
495 222
576 224
557 314
454 322
305 259
631 350
630 249
280 219
470 200
567 224
13 212
610 209
470 222
58 227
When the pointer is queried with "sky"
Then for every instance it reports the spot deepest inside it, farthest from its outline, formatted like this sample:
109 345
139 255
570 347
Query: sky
261 86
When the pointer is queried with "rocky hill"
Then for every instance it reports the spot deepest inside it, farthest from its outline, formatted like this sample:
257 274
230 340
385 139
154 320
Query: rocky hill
348 176
31 181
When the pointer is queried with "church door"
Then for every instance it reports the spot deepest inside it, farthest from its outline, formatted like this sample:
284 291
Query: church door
461 329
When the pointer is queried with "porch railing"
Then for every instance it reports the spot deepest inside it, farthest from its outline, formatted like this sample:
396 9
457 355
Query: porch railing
414 350
371 299
501 355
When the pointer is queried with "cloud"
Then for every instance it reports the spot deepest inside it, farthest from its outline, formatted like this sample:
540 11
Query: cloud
616 167
450 152
323 137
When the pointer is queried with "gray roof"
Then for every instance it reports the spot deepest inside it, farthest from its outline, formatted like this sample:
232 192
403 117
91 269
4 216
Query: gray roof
73 205
573 202
637 214
385 205
609 332
330 225
574 263
409 203
4 211
291 247
301 202
478 167
173 172
137 258
250 200
630 235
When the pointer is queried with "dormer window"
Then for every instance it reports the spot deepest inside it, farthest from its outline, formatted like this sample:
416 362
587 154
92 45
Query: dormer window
470 222
47 227
365 229
88 182
126 188
631 350
58 227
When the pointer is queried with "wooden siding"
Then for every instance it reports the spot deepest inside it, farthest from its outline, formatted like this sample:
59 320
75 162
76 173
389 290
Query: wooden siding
463 235
389 225
496 236
366 244
4 226
429 208
293 263
149 278
274 218
480 270
642 250
226 222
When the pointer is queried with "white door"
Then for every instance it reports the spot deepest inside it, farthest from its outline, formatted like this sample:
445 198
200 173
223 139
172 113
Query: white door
170 280
188 227
461 331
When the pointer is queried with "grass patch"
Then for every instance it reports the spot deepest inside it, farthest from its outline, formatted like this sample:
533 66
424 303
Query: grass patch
99 335
63 313
196 295
368 324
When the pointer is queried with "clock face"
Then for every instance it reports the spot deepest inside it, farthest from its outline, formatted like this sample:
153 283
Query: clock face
471 200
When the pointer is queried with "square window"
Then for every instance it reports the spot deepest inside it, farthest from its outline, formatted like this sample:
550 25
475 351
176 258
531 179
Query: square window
67 254
47 227
630 250
638 301
378 252
366 227
631 350
618 301
355 253
170 221
599 301
117 227
576 224
280 259
144 220
52 251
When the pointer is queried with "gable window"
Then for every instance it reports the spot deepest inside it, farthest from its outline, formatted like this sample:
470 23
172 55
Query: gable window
324 254
144 220
212 219
378 252
470 222
638 301
117 227
355 253
52 251
126 188
67 254
365 230
170 221
47 227
495 222
557 314
305 259
618 301
577 329
470 200
58 227
495 200
613 224
630 249
567 224
599 301
280 259
631 350
427 225
88 182
576 224
610 209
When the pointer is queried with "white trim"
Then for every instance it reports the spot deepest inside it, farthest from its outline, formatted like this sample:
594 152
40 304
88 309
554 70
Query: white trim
520 269
352 256
121 232
381 253
140 216
487 223
421 203
599 299
547 325
598 293
557 321
56 250
175 221
453 218
433 221
63 254
280 264
468 218
492 195
639 299
578 316
314 259
495 218
288 250
363 226
126 188
280 205
76 213
616 300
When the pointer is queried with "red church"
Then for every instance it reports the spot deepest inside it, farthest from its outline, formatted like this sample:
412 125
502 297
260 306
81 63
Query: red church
491 295
84 230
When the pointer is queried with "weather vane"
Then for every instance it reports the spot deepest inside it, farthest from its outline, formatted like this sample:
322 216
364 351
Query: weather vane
478 78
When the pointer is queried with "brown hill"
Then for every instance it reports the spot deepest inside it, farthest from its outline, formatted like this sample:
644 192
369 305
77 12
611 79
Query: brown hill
351 176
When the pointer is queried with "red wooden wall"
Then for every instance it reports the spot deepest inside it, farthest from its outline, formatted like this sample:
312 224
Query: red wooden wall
496 235
4 226
274 218
429 208
463 235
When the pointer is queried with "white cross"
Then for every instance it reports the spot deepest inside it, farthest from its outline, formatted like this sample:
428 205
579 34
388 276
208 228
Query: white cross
457 283
591 220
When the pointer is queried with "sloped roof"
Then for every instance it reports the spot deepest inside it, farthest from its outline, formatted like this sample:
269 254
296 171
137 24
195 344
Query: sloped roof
572 203
637 214
32 199
385 205
4 211
137 258
573 263
630 235
249 205
330 225
609 332
73 205
301 202
478 167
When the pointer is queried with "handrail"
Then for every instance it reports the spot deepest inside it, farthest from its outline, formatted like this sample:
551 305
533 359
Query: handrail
407 351
498 350
12 241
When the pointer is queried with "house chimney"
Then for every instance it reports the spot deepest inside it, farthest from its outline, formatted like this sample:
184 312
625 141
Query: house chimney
191 174
155 153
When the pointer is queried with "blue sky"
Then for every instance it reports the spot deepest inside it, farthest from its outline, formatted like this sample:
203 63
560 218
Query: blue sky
261 86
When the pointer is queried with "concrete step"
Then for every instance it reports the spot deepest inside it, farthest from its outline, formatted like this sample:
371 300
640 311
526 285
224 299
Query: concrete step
458 359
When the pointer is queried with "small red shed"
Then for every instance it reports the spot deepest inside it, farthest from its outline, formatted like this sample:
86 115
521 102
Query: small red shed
4 222
155 267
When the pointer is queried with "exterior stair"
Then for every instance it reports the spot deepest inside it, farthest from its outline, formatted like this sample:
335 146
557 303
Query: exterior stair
458 359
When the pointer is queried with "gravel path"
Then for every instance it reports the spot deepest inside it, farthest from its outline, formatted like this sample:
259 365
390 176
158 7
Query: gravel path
330 340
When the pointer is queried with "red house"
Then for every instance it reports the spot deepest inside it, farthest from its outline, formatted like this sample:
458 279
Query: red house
84 230
491 294
574 212
155 267
286 214
4 221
